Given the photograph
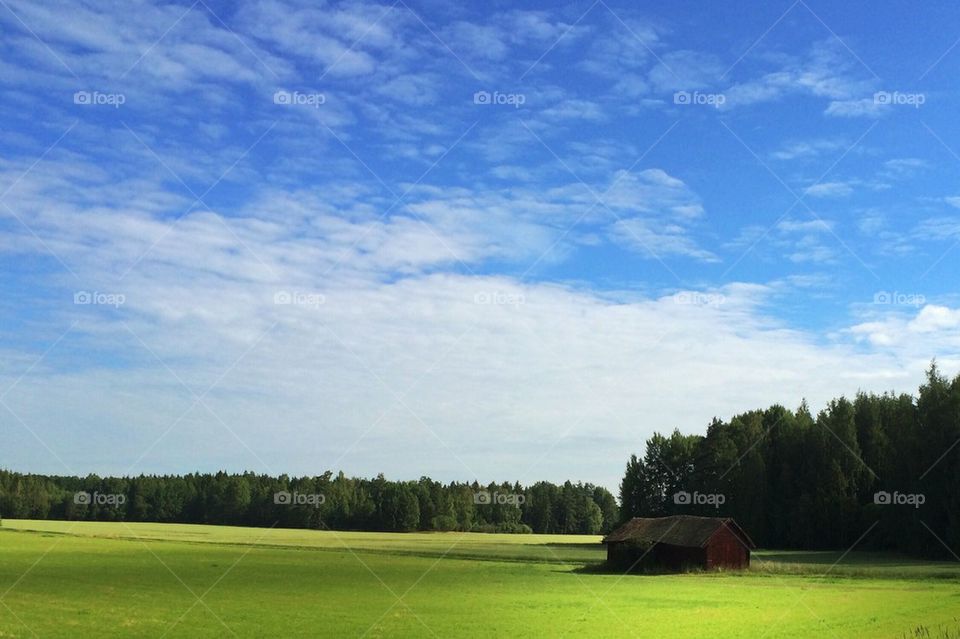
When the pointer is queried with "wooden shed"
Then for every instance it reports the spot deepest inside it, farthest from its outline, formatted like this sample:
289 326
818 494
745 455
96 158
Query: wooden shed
680 542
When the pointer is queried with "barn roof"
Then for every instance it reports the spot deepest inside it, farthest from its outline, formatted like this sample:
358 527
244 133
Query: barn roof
677 530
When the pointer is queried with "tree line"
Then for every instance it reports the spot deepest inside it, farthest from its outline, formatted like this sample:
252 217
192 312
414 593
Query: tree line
325 501
881 472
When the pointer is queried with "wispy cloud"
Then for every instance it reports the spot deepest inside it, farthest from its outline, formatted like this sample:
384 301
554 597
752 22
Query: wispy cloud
829 189
502 216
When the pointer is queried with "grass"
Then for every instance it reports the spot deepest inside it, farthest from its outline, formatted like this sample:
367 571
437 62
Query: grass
77 579
951 631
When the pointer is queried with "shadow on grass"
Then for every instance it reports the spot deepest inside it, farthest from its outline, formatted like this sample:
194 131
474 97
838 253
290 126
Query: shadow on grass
830 557
598 547
607 569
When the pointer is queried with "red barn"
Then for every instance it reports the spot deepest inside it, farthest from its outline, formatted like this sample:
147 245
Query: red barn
680 542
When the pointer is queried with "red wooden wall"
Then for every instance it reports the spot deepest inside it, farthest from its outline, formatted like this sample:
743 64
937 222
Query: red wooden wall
726 550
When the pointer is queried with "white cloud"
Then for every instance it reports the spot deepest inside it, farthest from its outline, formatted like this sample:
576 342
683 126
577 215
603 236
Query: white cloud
575 110
937 228
931 329
829 189
898 168
623 47
855 108
791 225
657 240
934 319
825 71
421 361
163 47
415 89
342 40
807 149
685 70
501 35
475 40
871 222
423 334
799 241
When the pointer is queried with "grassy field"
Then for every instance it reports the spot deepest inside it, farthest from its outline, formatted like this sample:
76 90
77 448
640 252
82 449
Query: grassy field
78 579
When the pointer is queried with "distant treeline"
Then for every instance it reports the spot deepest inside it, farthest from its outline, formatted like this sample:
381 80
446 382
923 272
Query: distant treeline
324 501
883 467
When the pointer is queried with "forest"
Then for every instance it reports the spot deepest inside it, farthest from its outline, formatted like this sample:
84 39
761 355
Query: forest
324 501
881 472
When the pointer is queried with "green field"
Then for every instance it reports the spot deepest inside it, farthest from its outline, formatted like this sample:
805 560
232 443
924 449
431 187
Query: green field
78 579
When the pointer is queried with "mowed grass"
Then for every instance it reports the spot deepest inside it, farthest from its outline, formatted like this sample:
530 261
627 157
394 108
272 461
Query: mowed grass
552 548
79 579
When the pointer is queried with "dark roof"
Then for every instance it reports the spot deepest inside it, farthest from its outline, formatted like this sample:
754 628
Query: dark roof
678 530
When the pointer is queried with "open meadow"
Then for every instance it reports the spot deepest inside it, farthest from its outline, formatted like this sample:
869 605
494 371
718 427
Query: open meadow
483 320
86 579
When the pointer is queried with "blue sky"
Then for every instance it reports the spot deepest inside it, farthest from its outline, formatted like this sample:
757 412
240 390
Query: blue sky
469 241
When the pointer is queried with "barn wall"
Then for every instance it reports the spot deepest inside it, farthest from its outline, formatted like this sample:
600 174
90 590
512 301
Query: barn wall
725 550
662 557
626 555
616 554
679 558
